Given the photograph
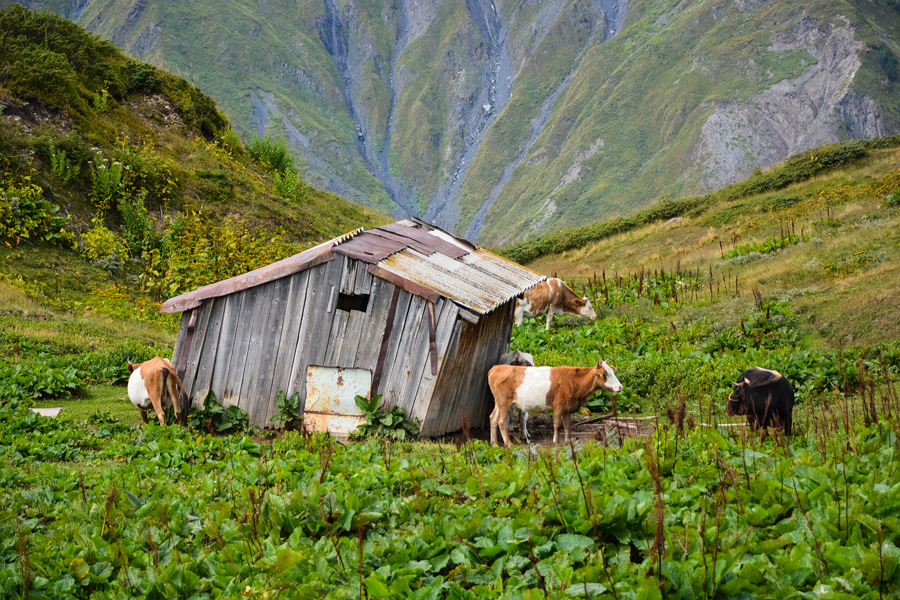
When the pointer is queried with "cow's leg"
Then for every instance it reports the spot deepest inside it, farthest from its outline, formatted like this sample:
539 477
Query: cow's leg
144 416
557 418
525 426
550 310
494 425
503 421
172 391
567 423
520 312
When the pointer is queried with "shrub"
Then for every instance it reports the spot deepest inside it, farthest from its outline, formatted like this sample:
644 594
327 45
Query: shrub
24 213
272 153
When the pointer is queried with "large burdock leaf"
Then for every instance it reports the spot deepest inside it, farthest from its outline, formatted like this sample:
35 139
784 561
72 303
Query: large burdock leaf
569 541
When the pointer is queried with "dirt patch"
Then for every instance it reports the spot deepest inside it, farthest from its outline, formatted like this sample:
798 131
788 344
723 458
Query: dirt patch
605 429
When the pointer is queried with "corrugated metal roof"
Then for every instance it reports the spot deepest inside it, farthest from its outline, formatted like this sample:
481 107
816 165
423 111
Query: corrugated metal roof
479 280
432 258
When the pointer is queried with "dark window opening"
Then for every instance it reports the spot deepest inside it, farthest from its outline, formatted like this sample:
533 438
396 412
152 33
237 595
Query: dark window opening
348 302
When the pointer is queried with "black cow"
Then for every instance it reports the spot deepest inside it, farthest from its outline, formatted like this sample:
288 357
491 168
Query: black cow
765 397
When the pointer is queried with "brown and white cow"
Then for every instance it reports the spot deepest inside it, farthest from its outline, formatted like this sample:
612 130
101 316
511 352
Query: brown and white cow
551 297
155 384
563 390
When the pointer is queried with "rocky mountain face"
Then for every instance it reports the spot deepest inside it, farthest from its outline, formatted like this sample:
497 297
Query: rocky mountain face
498 119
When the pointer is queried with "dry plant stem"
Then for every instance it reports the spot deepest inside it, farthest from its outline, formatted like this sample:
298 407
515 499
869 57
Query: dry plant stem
588 505
612 587
552 487
730 473
228 555
534 563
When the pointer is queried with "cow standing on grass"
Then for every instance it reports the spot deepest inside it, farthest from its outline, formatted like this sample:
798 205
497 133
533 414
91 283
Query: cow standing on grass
765 397
155 384
563 390
552 297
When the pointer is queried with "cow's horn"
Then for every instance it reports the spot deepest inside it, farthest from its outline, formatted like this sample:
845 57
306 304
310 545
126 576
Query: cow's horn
747 381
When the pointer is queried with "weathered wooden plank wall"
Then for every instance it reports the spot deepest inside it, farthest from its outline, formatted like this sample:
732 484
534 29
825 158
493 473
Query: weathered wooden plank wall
290 334
461 386
207 359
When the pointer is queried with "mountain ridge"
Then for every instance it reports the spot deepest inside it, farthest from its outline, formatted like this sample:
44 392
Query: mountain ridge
481 117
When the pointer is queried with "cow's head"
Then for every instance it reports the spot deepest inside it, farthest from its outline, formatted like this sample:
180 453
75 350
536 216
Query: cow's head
587 311
738 403
605 377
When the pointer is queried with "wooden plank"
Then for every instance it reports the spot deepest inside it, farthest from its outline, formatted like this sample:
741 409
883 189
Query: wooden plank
266 342
369 345
387 331
190 370
180 342
448 383
416 360
348 279
432 343
350 345
391 342
322 326
290 332
335 339
444 336
255 346
230 316
235 376
363 279
413 326
207 364
408 285
315 324
421 379
282 268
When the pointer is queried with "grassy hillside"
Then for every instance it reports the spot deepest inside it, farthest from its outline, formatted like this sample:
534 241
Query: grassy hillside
122 185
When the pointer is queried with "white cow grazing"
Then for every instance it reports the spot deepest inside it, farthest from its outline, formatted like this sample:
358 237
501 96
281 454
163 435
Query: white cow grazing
552 297
154 384
563 390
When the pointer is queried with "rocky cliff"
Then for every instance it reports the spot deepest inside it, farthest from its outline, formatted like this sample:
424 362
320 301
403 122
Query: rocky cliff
499 119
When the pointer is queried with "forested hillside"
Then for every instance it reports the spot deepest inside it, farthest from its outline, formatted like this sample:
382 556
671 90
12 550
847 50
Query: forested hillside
503 119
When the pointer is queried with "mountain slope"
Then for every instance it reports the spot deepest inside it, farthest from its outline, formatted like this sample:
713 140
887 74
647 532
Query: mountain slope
501 119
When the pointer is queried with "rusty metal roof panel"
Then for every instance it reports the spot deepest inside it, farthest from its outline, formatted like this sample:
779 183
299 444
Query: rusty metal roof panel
369 248
481 284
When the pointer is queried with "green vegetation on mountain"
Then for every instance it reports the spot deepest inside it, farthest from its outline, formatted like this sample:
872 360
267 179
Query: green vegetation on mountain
383 101
132 170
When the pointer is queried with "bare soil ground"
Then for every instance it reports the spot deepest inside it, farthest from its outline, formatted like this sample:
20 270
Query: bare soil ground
603 429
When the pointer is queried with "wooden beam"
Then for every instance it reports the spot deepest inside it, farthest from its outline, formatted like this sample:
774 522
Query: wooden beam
410 286
432 344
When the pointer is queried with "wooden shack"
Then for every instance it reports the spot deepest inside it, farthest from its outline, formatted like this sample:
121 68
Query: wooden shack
419 313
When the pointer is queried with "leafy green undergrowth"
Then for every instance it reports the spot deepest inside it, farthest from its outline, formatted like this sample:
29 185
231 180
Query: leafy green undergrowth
166 514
